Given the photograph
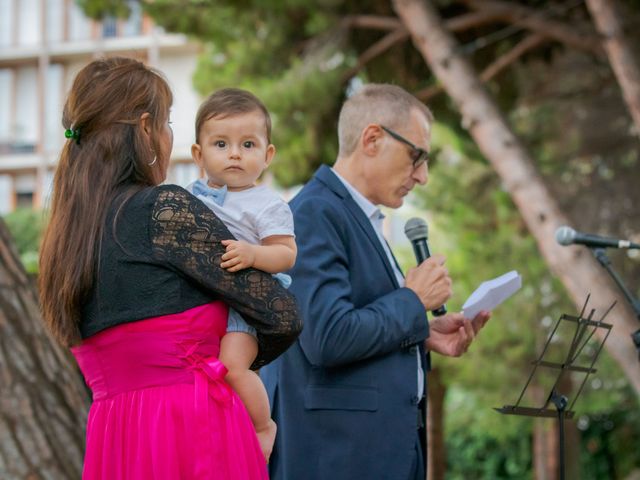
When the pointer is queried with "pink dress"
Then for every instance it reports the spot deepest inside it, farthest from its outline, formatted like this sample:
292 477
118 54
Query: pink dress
161 408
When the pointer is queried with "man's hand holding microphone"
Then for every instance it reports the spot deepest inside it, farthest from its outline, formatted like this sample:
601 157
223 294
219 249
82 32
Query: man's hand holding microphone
450 333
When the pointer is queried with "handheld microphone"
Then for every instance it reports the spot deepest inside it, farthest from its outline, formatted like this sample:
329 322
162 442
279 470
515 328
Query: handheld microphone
417 231
567 236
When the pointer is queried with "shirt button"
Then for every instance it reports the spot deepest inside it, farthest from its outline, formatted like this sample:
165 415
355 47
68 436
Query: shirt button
415 400
413 350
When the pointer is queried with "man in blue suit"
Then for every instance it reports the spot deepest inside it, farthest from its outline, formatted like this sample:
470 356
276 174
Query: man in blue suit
347 396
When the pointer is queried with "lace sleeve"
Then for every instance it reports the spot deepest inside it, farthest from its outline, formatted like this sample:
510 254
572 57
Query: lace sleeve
186 235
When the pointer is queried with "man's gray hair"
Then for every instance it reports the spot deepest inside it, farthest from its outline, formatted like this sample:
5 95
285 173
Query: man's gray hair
380 103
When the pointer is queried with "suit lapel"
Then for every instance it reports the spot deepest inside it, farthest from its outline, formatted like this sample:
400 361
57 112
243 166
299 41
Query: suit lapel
327 177
395 260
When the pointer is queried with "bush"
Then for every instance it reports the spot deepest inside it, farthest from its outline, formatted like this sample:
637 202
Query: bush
26 227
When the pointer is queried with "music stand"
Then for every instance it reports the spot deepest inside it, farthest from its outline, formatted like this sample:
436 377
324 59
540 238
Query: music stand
581 337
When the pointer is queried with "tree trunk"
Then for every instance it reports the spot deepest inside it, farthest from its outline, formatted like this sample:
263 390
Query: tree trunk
621 57
544 448
579 272
436 451
546 460
43 399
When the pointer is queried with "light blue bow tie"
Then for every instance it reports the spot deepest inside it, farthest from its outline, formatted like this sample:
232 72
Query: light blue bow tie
215 194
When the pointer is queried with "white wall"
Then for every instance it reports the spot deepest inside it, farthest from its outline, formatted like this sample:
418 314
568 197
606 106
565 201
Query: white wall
25 127
79 25
5 102
179 72
53 131
54 21
29 14
133 25
183 174
6 192
47 188
6 22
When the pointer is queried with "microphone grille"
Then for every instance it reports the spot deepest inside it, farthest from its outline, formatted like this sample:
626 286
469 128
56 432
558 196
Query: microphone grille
416 228
565 235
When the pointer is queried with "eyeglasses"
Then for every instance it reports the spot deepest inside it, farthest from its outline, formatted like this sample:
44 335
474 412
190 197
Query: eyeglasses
418 155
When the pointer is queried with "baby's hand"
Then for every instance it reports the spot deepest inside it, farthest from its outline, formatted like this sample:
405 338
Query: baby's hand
239 255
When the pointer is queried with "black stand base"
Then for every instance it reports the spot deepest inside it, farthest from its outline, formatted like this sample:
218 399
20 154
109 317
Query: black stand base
561 402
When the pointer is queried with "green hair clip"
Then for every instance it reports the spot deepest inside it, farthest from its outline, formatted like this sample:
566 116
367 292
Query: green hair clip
73 134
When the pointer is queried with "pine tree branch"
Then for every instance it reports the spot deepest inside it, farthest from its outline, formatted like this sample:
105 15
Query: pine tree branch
620 50
377 49
455 24
400 34
374 22
529 43
537 22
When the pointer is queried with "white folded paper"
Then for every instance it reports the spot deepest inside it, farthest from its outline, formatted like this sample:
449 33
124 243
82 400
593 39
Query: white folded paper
492 293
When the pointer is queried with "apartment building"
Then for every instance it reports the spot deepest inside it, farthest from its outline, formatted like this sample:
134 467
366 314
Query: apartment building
43 44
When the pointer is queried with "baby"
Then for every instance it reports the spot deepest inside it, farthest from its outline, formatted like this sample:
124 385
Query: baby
233 147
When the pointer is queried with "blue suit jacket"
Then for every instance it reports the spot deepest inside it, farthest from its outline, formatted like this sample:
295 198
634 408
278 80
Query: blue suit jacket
344 395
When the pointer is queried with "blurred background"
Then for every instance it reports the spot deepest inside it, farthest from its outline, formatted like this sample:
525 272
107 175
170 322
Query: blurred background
556 81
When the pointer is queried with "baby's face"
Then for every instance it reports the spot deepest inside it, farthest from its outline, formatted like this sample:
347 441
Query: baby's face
234 151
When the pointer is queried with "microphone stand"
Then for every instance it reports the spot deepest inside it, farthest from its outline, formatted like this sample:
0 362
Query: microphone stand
601 256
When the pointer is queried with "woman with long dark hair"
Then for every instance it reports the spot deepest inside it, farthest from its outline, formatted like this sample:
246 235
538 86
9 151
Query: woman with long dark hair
130 279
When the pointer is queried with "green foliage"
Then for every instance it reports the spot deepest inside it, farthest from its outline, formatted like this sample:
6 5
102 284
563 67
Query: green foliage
101 9
26 227
606 434
500 450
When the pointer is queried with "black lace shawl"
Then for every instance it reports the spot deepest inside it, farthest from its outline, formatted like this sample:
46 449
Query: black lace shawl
162 256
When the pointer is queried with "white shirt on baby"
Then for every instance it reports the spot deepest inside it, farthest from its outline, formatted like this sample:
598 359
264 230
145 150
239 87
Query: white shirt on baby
252 214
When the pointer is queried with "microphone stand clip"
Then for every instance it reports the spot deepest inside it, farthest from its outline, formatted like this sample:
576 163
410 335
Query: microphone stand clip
601 256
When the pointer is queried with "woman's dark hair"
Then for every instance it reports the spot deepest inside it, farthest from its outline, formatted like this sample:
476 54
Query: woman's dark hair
107 158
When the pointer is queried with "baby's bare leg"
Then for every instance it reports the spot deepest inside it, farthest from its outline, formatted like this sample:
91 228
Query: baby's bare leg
238 350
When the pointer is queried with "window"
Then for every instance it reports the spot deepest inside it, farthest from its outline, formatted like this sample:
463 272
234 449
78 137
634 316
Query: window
24 131
53 103
109 27
79 25
28 22
24 199
6 23
133 25
6 191
6 87
183 173
55 22
25 185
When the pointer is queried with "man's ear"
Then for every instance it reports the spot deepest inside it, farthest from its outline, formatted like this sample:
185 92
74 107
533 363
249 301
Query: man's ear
370 139
271 152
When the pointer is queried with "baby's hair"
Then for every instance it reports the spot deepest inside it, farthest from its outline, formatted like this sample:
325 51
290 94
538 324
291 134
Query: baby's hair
228 102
